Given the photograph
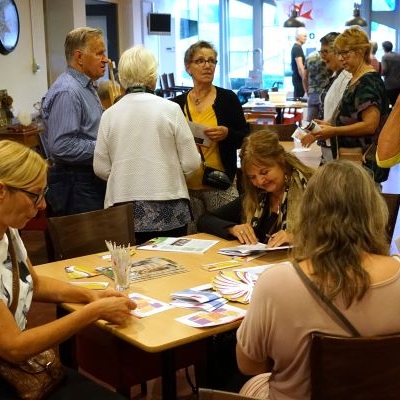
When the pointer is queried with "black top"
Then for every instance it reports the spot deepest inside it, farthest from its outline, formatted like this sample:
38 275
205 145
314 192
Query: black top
218 221
229 113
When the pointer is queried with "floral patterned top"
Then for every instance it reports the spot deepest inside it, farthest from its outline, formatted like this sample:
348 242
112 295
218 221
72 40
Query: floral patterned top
367 91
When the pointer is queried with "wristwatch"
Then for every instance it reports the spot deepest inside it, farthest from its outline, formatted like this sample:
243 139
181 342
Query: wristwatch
9 26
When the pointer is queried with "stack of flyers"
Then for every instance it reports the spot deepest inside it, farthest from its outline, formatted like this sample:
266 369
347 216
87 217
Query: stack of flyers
249 249
78 272
199 299
236 285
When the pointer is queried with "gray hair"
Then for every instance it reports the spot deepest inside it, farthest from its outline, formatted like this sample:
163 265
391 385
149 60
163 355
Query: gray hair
137 67
79 39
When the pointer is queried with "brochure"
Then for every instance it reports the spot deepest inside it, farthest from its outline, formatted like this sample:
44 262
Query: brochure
148 268
182 245
198 132
250 249
221 315
147 306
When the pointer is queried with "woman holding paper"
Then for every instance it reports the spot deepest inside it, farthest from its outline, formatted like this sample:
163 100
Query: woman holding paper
220 114
274 181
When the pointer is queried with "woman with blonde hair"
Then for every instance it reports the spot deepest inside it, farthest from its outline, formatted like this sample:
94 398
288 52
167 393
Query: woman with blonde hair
364 106
23 185
340 244
274 181
145 150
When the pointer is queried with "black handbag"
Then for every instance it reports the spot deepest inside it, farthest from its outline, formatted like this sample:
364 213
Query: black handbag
214 177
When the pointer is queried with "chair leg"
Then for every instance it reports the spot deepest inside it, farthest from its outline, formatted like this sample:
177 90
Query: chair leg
143 388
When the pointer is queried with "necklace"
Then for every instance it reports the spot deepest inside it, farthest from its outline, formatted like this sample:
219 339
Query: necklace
198 100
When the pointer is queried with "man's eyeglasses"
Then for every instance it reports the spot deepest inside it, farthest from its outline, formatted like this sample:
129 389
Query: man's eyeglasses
35 197
201 62
325 52
343 53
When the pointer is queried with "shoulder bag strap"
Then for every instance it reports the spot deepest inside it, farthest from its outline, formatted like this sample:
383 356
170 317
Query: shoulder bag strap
15 273
314 290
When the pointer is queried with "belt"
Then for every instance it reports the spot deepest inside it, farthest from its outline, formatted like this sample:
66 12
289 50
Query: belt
73 167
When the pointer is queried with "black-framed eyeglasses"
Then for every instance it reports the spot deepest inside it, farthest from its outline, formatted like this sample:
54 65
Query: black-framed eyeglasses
325 52
201 62
343 53
35 197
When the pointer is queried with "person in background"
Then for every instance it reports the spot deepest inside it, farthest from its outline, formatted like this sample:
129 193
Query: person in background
316 77
388 149
145 150
71 112
391 71
364 106
274 181
221 113
104 92
374 61
297 63
331 94
341 202
23 185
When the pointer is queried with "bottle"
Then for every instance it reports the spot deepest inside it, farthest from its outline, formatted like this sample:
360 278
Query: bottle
252 97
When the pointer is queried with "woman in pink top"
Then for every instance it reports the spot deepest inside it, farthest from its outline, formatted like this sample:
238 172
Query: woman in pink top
340 242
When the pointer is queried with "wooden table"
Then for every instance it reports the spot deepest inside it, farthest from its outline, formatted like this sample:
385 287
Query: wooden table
160 333
29 137
268 106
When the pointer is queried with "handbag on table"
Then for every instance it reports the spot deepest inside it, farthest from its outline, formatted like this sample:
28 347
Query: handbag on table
37 377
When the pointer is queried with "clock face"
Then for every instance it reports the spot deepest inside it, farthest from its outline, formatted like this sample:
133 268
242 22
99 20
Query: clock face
9 26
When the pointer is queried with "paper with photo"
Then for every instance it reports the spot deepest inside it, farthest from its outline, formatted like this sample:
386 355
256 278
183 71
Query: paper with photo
222 315
147 306
198 132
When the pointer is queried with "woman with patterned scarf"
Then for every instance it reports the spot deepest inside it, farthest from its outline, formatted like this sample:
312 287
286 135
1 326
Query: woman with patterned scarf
273 181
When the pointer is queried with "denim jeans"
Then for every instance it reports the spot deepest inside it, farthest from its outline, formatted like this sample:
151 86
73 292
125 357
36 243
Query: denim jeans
74 189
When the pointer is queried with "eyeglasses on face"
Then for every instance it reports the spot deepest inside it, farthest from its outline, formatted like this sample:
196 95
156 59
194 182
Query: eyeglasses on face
35 197
325 52
343 53
201 62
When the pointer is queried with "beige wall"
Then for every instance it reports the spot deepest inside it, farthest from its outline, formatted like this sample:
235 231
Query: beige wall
16 75
59 17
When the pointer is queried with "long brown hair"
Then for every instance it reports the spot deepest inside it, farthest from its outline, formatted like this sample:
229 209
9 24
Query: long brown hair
341 218
263 148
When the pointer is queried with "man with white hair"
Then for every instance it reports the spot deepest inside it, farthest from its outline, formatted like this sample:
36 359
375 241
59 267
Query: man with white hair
298 61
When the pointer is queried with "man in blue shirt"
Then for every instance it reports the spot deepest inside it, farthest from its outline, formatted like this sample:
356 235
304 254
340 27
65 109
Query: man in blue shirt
71 112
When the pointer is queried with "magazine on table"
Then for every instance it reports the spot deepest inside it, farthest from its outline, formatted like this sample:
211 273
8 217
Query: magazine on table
250 249
182 244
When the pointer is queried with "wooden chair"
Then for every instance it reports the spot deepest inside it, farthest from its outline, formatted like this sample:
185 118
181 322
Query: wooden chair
211 394
80 234
393 204
284 131
260 117
355 368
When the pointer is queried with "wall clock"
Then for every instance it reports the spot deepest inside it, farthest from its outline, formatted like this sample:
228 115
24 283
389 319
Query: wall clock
9 26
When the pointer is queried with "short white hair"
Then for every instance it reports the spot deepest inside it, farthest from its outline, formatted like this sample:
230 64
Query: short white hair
137 67
301 31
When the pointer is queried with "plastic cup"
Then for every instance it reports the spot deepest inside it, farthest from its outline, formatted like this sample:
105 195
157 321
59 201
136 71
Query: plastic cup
121 265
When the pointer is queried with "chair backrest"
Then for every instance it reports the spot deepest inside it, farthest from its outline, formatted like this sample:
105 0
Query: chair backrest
164 81
351 368
393 204
85 233
211 394
171 79
284 131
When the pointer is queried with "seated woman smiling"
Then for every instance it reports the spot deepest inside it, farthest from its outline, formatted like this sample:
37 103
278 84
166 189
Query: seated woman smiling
273 181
